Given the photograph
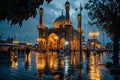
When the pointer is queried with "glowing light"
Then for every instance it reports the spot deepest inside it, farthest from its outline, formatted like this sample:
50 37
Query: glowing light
15 42
66 43
28 43
94 34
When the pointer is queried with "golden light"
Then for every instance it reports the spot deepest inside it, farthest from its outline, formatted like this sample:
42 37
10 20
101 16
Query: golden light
94 34
14 64
92 43
98 45
56 37
28 44
40 61
94 72
15 42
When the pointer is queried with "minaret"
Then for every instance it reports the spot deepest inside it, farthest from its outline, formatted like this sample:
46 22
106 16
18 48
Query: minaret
79 21
67 8
41 21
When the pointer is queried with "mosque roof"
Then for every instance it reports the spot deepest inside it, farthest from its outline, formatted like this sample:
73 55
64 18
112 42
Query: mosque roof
60 18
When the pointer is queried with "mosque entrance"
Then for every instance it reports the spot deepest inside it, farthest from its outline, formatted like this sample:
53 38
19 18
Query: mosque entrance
53 42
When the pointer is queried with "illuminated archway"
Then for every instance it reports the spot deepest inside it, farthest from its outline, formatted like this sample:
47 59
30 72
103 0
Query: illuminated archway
53 41
62 42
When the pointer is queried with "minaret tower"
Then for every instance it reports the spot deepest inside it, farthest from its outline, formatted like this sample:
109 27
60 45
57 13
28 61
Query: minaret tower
41 29
41 21
80 31
67 8
79 21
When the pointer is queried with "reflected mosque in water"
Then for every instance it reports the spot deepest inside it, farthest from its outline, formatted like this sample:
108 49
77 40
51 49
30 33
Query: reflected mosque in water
63 31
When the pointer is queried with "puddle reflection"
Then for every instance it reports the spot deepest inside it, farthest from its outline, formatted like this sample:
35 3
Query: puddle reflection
51 66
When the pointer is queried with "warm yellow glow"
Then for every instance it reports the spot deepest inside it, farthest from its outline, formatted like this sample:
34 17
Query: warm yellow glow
28 44
56 37
40 26
94 34
92 43
94 71
40 61
14 64
98 45
15 42
57 24
56 77
52 41
62 42
53 62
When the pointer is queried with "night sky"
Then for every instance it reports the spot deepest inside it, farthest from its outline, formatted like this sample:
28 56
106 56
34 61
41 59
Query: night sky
29 33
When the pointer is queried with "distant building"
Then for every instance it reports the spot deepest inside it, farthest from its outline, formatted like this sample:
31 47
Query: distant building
93 44
62 31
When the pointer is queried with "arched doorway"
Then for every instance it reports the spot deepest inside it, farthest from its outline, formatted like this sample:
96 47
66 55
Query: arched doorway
53 42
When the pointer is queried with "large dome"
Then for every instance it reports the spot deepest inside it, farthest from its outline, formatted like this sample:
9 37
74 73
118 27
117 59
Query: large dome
60 18
60 21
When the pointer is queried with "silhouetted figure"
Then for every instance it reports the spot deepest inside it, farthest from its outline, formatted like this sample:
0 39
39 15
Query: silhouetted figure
9 52
18 51
87 53
27 51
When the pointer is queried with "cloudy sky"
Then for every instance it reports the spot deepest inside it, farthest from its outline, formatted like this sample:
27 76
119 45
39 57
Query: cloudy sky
29 33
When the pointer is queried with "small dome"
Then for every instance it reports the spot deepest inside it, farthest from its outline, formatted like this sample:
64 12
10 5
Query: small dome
67 3
41 8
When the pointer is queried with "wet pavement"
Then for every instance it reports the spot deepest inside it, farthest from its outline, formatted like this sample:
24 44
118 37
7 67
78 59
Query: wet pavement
50 66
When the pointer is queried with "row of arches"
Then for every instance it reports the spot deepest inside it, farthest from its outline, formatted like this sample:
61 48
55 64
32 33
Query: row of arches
53 42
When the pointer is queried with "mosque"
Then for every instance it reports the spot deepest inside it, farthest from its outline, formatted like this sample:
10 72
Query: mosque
63 32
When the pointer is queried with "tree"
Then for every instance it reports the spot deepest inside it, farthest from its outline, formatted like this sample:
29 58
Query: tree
16 11
106 15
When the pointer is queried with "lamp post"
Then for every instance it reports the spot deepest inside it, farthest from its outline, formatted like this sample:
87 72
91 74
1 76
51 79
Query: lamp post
94 35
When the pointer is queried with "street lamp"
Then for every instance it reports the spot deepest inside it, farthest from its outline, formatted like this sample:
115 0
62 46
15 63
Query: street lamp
66 44
94 35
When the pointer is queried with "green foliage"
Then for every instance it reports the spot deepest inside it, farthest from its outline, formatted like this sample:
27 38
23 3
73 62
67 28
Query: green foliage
105 14
16 11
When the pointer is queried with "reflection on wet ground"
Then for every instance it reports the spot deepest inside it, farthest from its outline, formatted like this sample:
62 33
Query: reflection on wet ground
50 66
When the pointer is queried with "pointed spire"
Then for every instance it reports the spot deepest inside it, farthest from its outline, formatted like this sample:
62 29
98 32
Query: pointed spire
80 10
67 8
79 19
80 7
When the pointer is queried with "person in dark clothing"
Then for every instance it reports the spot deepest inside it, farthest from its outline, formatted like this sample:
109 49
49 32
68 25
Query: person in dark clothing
87 53
27 50
9 51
